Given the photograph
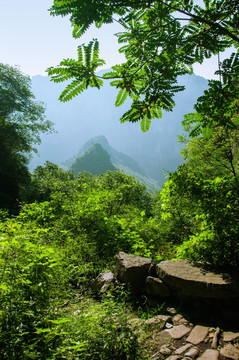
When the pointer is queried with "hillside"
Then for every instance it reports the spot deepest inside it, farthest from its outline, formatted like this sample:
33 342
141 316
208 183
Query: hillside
96 160
92 158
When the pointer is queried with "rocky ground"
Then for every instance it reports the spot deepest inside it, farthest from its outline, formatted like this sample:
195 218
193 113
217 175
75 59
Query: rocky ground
173 337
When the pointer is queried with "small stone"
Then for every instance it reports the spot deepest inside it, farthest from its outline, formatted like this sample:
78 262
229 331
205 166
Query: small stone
179 320
192 353
230 352
177 332
197 334
165 350
182 349
215 340
173 357
171 311
209 355
230 336
159 321
168 326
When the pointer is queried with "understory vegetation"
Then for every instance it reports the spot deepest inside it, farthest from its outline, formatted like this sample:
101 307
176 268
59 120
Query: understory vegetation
69 230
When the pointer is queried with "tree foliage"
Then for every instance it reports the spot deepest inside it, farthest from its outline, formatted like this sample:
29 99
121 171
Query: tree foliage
22 121
161 40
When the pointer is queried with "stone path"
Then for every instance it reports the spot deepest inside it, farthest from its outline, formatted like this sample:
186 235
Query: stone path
174 338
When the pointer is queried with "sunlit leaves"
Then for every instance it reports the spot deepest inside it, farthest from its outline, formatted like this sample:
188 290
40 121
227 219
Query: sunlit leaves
82 71
160 41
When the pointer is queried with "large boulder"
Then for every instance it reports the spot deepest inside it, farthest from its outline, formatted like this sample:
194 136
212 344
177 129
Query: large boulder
132 269
197 280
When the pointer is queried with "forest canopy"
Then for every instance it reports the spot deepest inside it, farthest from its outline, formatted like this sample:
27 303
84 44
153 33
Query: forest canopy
161 40
22 120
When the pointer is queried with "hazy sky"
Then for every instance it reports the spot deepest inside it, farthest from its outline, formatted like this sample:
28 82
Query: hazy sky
34 40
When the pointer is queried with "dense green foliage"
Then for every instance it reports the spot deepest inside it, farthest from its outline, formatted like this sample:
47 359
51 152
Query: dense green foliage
161 40
70 231
21 123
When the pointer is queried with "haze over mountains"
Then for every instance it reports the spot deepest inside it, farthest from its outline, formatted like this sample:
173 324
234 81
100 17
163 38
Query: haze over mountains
93 114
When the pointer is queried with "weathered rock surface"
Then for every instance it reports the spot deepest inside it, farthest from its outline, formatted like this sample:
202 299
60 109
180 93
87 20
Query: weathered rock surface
159 321
230 352
177 332
182 349
198 334
155 287
103 282
209 355
132 269
230 336
197 280
192 353
179 320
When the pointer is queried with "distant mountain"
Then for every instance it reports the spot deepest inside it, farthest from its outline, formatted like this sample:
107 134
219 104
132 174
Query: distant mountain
118 158
96 160
92 157
93 114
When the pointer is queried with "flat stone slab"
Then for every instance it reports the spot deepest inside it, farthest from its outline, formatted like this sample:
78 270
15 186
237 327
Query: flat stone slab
177 332
197 280
197 334
230 336
230 352
209 355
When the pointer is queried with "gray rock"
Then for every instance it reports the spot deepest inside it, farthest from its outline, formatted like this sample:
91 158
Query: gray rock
179 320
103 282
230 336
209 355
171 311
197 280
197 334
230 352
132 269
192 353
165 350
177 332
215 339
182 349
158 321
155 287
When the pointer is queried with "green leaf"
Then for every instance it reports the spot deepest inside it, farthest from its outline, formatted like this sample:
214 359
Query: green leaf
121 97
207 132
145 124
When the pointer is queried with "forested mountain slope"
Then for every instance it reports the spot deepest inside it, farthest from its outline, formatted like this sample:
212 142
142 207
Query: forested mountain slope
93 157
93 114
